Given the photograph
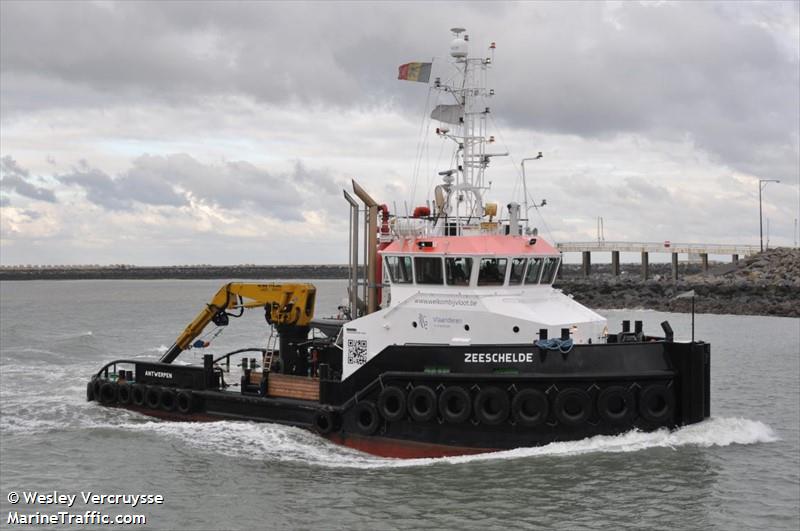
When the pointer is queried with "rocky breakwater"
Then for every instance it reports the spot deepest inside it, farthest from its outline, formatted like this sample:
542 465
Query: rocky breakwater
764 284
128 272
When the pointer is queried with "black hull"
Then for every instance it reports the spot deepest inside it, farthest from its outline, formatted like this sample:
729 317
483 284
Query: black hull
421 401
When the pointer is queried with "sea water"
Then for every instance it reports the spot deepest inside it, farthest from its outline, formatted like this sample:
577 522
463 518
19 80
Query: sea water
738 470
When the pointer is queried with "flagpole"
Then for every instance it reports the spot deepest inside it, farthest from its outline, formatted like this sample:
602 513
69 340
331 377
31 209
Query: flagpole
692 318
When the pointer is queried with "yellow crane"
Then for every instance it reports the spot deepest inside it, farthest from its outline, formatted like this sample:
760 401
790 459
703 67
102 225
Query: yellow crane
290 304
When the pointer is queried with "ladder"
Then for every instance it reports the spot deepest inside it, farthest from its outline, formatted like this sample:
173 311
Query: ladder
268 357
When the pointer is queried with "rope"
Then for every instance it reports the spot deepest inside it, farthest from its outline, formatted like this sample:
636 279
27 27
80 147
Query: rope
562 345
518 180
422 140
200 340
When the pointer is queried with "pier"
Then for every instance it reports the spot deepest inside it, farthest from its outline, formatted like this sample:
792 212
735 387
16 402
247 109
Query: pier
645 248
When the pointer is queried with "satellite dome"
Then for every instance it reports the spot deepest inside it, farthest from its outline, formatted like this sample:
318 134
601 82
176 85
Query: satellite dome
458 48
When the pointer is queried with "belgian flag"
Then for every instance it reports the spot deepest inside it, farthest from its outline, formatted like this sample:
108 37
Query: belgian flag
415 72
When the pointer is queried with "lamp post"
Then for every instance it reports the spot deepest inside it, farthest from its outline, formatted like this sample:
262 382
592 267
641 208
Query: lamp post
762 183
525 187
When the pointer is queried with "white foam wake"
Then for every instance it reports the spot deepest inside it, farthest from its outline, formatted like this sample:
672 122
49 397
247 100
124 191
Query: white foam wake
280 443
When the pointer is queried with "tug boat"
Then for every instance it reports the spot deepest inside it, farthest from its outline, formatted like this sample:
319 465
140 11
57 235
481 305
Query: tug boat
455 342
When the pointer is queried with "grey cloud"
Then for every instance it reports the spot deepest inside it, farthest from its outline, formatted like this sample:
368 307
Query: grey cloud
15 179
172 180
10 166
645 189
721 73
4 201
121 193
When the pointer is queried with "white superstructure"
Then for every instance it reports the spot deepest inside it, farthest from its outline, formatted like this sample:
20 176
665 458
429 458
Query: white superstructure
457 274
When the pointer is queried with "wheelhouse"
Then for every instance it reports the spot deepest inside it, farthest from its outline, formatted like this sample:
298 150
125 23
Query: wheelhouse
470 262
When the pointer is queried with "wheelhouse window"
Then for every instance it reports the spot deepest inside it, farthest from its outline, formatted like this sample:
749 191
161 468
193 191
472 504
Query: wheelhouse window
534 270
399 268
492 271
459 270
428 270
549 270
517 271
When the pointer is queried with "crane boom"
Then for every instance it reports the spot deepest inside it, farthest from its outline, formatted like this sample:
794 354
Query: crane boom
285 304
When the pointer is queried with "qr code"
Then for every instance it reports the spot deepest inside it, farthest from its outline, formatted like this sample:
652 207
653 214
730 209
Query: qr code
356 351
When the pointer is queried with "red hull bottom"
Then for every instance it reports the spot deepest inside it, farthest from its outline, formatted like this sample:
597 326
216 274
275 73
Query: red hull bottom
385 447
377 446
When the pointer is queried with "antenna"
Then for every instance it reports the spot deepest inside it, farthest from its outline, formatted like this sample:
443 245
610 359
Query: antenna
525 186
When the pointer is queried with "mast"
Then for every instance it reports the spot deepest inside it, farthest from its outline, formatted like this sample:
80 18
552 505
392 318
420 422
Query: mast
464 185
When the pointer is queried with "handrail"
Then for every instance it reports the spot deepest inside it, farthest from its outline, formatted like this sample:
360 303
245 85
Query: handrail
241 350
656 247
110 363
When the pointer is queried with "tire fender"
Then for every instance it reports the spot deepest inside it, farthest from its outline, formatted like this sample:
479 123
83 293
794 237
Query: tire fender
492 405
573 406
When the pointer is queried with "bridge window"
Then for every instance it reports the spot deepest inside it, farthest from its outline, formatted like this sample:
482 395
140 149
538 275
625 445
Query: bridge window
459 270
534 270
428 270
517 271
399 268
549 270
492 272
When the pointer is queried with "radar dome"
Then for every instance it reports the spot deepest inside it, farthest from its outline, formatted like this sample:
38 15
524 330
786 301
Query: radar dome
458 48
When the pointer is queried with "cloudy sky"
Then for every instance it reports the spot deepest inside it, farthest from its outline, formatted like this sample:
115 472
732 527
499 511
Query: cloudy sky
183 133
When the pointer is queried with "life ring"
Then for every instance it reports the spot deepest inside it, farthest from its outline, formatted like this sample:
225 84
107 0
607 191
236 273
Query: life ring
492 405
108 393
530 407
152 397
656 404
392 403
124 393
615 404
323 421
90 391
366 417
455 405
168 400
573 406
138 394
185 402
422 403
